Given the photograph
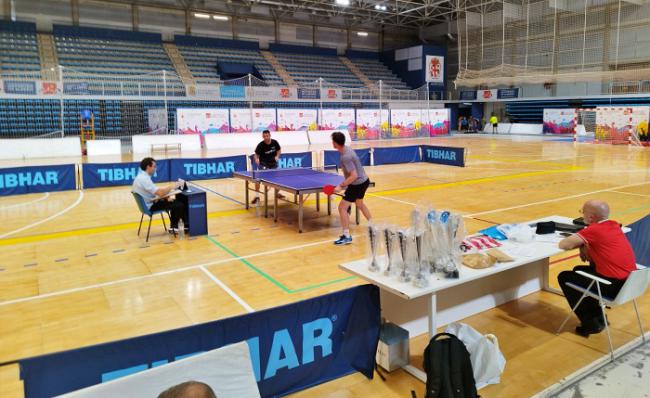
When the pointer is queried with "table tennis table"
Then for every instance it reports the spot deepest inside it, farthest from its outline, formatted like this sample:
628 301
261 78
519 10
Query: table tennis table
299 182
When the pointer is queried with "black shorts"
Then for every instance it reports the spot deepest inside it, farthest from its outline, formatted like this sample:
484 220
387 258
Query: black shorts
268 166
355 192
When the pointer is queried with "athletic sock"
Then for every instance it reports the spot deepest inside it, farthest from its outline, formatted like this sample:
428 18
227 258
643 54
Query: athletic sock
346 233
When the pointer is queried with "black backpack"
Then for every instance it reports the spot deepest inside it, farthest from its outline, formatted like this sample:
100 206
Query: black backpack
448 368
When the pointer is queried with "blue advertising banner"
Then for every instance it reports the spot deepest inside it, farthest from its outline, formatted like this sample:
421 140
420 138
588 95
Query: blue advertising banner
333 157
19 87
206 169
508 93
96 175
232 91
308 93
290 160
292 347
36 179
468 95
403 154
449 156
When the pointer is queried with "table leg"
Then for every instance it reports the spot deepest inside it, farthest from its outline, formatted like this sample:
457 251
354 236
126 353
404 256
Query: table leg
300 206
266 201
317 201
246 183
545 279
275 204
415 372
329 205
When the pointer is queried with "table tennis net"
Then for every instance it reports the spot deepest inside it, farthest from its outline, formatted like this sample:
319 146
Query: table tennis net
297 171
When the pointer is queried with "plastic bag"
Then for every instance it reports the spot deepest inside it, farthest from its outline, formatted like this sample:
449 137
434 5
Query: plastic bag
521 233
487 360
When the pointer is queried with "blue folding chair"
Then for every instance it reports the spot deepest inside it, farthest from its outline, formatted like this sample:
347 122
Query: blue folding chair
145 211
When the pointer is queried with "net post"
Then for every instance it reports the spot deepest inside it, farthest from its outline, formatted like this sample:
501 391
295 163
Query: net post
61 101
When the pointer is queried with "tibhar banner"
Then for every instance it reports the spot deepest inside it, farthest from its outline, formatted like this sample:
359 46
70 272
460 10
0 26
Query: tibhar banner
96 175
206 169
202 120
435 69
559 121
370 124
297 119
36 179
157 119
292 347
337 119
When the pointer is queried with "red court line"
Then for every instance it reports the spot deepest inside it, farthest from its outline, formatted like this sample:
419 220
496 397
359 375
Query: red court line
564 259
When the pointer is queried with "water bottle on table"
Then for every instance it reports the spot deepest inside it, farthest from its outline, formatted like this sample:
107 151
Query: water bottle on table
181 229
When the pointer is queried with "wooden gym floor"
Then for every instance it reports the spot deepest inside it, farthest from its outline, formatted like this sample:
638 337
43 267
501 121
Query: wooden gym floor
73 272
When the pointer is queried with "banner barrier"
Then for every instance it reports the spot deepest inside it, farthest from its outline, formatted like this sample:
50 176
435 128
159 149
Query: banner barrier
290 160
206 169
97 175
559 121
37 179
292 347
334 158
202 120
404 154
449 156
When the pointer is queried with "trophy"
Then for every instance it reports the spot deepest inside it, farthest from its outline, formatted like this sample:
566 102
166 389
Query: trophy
372 235
403 242
420 279
388 235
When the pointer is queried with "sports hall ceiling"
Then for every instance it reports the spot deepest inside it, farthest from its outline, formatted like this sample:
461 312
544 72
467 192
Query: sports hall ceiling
368 14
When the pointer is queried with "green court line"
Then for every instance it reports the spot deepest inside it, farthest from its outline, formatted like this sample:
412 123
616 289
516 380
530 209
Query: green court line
630 210
269 277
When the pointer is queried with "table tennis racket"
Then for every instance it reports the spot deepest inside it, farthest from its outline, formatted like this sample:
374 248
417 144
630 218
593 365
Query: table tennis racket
329 190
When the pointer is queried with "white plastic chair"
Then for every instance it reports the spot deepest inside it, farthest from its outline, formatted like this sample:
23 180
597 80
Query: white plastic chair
635 285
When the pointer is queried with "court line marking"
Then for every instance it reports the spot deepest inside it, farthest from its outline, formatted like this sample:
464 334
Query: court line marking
215 192
47 194
555 200
67 209
269 277
227 290
632 193
147 276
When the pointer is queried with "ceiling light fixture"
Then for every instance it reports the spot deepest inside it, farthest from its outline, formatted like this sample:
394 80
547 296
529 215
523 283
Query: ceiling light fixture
362 34
342 2
220 17
202 16
380 7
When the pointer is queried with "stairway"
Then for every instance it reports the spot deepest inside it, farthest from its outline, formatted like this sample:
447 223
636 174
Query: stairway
47 56
357 72
279 69
182 70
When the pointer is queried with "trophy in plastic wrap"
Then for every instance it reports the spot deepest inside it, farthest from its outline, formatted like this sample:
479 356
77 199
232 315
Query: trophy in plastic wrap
390 266
403 243
374 238
421 279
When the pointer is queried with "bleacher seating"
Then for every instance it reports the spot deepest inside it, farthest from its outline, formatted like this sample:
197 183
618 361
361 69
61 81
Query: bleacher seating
375 70
19 50
306 69
202 54
106 59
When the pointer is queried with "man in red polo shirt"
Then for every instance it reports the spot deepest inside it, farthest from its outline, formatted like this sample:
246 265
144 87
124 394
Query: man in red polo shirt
610 255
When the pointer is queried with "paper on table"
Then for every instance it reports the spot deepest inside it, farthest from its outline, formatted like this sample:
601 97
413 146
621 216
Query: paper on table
172 192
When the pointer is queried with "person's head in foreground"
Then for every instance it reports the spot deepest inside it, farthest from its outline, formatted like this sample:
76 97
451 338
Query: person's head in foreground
594 211
338 140
266 136
148 165
189 389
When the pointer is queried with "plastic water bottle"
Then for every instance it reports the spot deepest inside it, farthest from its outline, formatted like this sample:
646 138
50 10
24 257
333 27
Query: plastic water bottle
181 229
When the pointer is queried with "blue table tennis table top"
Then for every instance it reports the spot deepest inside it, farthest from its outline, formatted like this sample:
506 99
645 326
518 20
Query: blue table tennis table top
295 179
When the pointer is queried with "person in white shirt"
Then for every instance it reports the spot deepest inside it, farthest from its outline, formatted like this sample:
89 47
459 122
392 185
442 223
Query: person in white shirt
153 196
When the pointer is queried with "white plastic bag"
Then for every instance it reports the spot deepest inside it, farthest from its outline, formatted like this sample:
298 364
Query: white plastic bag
487 360
521 233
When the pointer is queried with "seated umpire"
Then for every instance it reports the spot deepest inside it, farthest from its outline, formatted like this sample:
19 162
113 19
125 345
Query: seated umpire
610 255
152 195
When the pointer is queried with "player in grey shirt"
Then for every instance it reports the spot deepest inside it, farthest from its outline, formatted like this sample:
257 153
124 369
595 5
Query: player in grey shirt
355 184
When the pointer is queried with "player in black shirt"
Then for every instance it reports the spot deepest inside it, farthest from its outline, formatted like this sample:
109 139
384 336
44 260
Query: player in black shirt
267 154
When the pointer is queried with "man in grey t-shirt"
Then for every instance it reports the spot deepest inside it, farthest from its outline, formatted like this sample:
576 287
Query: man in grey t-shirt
356 182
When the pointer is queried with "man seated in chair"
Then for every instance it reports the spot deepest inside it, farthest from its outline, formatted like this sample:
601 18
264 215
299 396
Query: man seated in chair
610 256
153 196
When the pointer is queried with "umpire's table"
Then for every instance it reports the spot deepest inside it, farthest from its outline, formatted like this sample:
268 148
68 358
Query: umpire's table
297 181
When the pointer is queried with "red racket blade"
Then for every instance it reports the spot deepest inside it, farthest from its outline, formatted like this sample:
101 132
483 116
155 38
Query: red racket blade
328 189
